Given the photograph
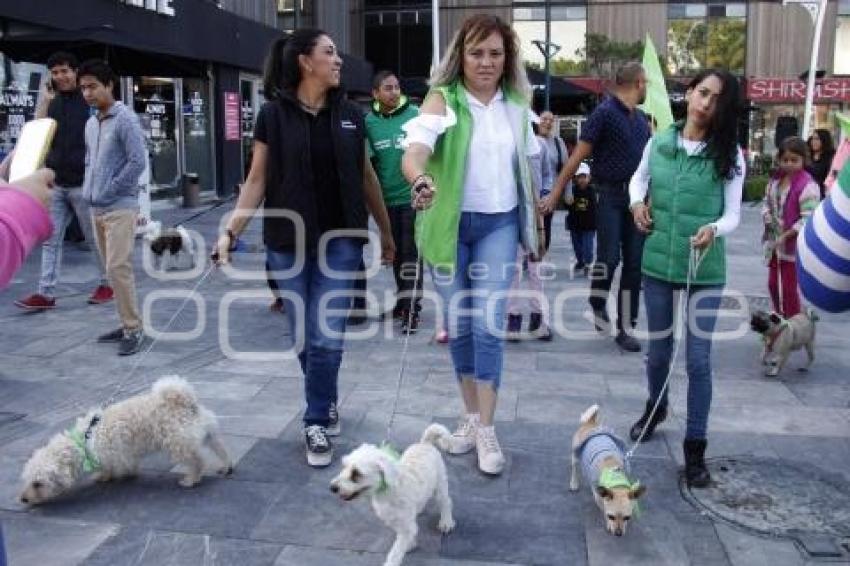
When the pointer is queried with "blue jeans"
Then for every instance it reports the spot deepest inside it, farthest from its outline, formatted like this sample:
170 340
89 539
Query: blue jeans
486 262
64 202
660 308
321 354
583 245
617 239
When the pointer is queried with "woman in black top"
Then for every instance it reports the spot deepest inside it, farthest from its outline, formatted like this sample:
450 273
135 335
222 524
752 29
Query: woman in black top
822 150
311 172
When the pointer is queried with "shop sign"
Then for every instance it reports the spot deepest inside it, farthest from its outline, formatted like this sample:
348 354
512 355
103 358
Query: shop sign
164 7
17 105
793 90
231 116
196 121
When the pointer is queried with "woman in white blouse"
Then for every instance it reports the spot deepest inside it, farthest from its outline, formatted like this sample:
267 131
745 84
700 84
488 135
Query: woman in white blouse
467 161
686 193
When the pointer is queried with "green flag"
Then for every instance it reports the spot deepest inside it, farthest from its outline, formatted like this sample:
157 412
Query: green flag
657 103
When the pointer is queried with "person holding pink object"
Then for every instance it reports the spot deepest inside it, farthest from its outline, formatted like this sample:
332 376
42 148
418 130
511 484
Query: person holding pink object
24 221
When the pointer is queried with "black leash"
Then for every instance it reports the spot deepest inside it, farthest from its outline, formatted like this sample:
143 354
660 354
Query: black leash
210 209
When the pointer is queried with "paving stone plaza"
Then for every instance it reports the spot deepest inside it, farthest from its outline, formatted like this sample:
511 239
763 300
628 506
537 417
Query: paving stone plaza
275 510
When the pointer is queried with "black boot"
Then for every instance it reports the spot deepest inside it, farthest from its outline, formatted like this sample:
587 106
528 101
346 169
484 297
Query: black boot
696 473
637 428
537 329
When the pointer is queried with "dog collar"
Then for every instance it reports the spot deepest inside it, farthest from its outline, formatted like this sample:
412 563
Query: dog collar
615 477
387 449
771 340
90 461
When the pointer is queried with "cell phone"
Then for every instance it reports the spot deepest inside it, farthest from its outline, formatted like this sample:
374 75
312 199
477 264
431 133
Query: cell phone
32 147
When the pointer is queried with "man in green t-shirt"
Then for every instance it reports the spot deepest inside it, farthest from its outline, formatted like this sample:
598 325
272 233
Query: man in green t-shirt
390 111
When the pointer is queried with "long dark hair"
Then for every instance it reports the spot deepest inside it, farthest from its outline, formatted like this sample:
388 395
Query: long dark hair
722 136
282 71
827 147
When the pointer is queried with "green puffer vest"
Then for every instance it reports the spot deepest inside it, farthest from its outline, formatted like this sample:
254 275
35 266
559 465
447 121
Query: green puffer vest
686 194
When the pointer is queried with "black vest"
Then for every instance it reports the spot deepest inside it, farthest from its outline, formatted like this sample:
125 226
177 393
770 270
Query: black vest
289 169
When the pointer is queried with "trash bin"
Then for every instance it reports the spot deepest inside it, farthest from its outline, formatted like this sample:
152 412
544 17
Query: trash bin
191 190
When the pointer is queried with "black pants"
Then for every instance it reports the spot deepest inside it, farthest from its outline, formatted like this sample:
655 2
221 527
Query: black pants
547 226
405 269
402 222
617 238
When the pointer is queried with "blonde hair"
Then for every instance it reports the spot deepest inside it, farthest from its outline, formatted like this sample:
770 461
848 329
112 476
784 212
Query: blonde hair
474 30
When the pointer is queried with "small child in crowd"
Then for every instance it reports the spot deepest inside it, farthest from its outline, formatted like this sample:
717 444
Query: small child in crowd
790 198
581 219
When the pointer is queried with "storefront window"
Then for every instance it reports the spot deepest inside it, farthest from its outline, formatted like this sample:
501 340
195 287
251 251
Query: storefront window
567 30
19 91
701 35
197 134
842 39
154 102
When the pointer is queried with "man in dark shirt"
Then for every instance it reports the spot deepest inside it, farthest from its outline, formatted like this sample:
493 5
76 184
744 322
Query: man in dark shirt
67 158
615 134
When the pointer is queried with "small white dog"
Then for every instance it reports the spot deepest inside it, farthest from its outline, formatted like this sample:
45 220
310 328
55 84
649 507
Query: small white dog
400 487
604 465
112 441
172 246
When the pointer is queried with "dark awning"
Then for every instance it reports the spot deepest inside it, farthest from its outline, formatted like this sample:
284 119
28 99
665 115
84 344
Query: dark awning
141 42
559 88
128 55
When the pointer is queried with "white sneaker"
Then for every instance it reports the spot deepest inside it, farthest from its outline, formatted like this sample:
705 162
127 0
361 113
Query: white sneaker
490 457
463 438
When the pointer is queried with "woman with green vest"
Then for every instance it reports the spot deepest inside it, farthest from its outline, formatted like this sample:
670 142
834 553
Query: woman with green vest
467 160
686 194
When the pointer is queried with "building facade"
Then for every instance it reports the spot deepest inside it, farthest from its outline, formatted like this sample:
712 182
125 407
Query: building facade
766 44
191 69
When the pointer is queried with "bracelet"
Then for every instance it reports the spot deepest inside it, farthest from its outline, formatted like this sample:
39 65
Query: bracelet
415 186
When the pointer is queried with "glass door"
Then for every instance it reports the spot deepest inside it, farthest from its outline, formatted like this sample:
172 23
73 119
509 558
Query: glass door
154 103
197 132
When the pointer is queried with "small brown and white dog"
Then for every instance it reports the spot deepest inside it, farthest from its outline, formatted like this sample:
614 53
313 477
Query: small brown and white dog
781 337
400 487
112 441
602 457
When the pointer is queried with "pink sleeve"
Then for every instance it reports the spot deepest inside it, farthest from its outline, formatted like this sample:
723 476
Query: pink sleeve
23 224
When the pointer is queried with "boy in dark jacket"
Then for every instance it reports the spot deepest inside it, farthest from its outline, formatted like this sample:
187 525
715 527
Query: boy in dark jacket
581 219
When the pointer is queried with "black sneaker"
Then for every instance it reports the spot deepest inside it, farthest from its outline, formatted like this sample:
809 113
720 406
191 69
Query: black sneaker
131 342
319 448
409 323
111 337
333 428
627 342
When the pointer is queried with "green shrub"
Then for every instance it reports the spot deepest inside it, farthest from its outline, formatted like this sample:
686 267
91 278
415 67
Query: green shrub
754 187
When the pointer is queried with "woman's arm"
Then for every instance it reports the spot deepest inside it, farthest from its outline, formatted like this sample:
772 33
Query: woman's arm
733 190
375 204
419 149
638 189
252 193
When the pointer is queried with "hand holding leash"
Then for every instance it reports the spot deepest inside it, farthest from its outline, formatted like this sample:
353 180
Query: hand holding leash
423 192
221 251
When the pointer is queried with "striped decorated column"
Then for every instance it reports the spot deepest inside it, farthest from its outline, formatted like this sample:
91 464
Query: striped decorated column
823 250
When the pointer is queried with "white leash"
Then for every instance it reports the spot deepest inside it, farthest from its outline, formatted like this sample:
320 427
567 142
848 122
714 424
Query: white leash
140 359
695 258
405 347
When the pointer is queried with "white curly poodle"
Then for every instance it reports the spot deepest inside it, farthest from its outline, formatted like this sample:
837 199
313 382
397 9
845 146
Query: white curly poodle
400 487
112 441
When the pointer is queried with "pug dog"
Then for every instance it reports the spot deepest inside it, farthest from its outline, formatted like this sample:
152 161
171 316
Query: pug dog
781 337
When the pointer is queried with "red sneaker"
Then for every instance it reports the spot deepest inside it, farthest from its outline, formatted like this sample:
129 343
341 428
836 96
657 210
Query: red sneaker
103 294
36 302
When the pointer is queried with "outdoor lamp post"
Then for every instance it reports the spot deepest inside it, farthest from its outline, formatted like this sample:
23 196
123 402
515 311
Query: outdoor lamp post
817 10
